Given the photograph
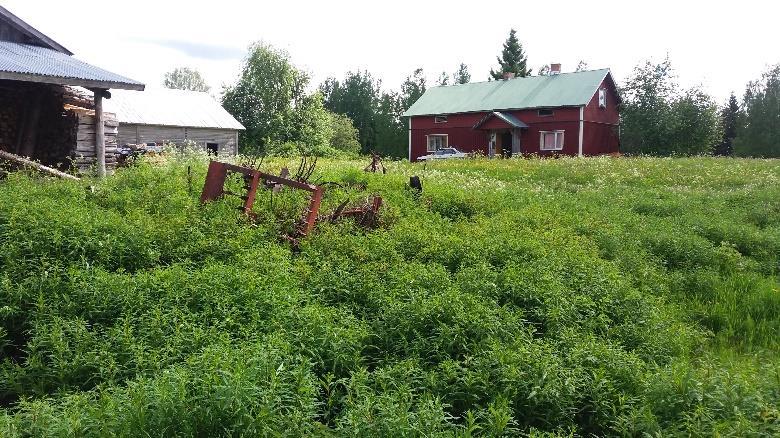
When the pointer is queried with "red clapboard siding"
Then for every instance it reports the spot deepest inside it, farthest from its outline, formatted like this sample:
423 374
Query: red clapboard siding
601 124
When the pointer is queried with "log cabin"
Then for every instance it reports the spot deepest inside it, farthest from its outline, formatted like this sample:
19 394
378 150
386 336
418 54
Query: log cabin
40 115
554 114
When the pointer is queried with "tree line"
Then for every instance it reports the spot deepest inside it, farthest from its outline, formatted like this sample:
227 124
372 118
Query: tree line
355 114
659 118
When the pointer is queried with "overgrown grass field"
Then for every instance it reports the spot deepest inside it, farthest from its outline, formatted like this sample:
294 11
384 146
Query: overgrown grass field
531 297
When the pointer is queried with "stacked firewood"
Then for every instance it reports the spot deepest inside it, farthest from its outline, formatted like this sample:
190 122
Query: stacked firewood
8 122
75 97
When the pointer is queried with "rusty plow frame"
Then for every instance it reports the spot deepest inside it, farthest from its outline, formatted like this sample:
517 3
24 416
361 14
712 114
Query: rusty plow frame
214 188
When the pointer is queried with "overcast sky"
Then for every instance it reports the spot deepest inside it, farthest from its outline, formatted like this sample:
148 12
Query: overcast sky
720 45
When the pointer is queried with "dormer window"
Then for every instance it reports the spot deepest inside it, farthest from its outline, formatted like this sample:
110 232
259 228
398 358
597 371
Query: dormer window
546 112
440 119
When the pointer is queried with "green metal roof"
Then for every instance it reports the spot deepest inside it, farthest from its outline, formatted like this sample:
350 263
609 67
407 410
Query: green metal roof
565 89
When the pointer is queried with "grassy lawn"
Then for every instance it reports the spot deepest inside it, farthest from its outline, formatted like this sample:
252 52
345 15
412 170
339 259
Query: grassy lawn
563 297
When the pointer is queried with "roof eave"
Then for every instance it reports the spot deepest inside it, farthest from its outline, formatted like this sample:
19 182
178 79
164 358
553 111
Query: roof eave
168 125
56 80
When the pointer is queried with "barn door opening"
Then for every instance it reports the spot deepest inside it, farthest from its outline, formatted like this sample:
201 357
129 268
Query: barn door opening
212 148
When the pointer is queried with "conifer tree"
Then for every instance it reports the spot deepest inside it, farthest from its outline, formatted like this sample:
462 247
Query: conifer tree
462 76
757 136
729 119
512 59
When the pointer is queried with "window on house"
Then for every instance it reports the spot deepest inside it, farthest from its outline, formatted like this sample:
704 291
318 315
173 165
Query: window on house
440 119
545 112
602 98
212 148
551 140
436 142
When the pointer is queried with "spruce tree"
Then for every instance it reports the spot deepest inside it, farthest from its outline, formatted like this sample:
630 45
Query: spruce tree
729 118
512 59
757 135
462 76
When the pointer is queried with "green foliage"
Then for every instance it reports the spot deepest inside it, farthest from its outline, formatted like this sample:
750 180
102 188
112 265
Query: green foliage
345 135
185 78
600 297
758 135
412 88
512 59
355 97
312 125
659 119
391 128
376 114
462 76
265 97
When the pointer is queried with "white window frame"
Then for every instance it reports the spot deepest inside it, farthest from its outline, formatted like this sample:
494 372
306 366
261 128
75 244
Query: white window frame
444 144
602 97
439 119
539 112
558 135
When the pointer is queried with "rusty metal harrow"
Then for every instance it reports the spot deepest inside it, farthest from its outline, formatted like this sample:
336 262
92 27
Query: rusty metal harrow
218 173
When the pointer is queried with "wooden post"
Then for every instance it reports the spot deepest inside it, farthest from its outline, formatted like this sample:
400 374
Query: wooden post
100 138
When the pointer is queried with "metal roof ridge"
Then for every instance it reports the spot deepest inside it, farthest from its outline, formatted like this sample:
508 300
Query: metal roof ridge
498 81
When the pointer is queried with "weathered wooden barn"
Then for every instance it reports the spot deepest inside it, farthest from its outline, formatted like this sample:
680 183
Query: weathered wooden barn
560 113
40 115
175 116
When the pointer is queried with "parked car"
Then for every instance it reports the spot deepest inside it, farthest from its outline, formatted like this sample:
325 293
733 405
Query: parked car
443 154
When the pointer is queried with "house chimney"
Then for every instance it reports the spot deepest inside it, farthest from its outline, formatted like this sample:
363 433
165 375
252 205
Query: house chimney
509 75
555 69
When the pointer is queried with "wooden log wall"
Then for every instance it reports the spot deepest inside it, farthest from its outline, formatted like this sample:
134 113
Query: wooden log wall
227 139
84 151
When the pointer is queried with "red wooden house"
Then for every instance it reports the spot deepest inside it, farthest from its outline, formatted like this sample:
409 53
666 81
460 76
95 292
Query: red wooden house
560 113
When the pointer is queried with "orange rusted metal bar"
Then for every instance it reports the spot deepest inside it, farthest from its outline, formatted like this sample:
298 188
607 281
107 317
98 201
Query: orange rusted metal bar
214 187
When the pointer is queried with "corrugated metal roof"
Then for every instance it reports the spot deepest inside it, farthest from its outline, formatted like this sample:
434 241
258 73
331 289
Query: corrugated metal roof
170 108
41 64
32 32
565 89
